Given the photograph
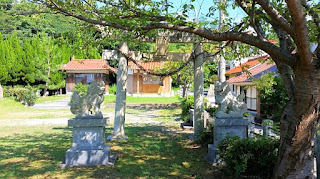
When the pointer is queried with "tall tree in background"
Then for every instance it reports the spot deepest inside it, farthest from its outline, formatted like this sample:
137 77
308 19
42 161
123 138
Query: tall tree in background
297 64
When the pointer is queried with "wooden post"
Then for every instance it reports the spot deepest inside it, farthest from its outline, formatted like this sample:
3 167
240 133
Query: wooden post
138 82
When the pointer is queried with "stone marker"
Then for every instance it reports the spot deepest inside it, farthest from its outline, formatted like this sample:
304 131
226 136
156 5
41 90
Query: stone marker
230 106
88 146
229 119
210 96
120 111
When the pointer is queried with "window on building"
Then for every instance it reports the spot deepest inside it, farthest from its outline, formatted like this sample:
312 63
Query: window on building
251 98
84 78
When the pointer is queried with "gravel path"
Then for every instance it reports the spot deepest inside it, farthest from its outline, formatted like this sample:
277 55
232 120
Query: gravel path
146 118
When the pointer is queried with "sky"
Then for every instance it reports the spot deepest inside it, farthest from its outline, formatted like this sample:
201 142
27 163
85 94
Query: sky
202 8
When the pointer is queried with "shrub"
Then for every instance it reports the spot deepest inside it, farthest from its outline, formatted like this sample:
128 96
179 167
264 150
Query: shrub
81 89
248 156
29 97
186 105
113 89
15 92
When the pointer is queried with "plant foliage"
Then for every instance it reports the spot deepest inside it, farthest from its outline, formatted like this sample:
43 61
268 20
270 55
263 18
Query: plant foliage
248 156
273 96
186 105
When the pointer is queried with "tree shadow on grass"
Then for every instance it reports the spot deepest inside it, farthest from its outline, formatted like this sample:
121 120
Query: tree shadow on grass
149 152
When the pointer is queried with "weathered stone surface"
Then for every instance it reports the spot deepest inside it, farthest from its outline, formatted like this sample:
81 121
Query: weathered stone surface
191 113
232 127
119 119
81 106
230 106
222 128
211 96
198 121
88 144
93 122
90 157
212 154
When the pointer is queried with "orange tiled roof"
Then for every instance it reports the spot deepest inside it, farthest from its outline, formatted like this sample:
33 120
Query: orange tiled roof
145 65
251 62
255 72
87 65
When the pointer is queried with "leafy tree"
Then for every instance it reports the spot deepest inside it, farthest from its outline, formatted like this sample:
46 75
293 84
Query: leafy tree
184 78
297 64
273 95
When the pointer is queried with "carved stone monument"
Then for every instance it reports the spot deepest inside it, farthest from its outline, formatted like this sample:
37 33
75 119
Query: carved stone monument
230 106
210 96
88 146
229 118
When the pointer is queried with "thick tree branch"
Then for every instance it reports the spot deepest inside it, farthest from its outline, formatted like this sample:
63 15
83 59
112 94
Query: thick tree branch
316 21
255 24
263 44
276 16
191 58
301 33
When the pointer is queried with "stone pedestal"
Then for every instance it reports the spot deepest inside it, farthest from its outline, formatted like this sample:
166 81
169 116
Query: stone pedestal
222 128
88 146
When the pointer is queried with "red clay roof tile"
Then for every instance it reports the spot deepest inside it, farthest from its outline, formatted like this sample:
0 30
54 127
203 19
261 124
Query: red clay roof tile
87 64
145 65
260 68
251 62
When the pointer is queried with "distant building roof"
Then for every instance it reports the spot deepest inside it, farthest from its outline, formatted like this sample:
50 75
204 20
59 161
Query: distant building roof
245 66
145 65
255 72
87 65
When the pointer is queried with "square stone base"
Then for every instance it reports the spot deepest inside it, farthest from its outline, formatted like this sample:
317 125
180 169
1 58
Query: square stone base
95 157
212 156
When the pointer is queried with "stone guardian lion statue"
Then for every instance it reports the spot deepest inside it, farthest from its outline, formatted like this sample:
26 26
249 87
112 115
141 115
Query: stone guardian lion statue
88 106
230 106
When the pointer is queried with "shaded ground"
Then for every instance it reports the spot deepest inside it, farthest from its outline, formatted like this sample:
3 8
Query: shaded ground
34 147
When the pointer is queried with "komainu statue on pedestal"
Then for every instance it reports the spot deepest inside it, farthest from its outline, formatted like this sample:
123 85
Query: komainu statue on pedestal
230 106
88 106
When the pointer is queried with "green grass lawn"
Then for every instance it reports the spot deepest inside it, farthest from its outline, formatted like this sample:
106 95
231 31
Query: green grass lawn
153 100
11 109
150 152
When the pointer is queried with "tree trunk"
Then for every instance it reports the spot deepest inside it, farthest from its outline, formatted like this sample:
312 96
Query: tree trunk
299 124
48 74
184 90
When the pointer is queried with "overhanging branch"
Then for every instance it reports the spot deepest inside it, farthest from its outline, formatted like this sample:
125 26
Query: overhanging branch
301 33
276 16
263 44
